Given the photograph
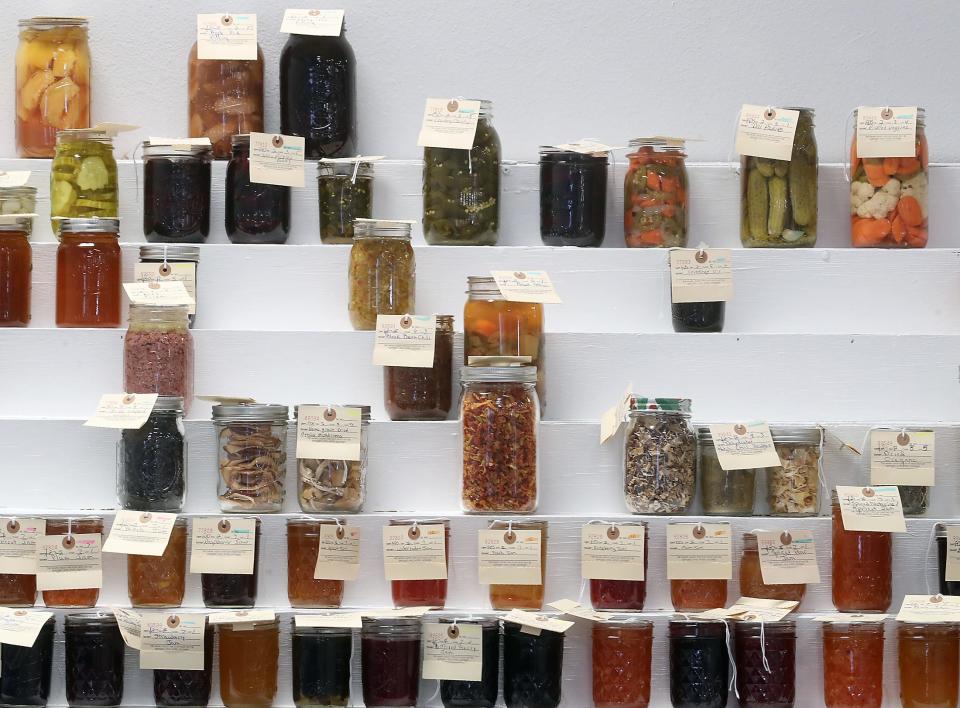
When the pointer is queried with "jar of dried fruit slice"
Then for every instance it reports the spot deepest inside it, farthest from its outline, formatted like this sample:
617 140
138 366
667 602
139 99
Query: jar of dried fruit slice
252 456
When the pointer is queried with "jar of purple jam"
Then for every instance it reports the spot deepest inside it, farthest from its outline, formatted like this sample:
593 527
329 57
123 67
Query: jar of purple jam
255 212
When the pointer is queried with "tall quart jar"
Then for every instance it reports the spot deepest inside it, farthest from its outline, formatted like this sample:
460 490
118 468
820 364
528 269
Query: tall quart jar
573 197
16 259
334 485
622 655
94 651
862 560
158 352
699 665
249 654
629 595
779 197
160 581
390 661
88 273
793 488
252 456
176 193
751 576
152 461
507 596
461 189
853 664
929 661
171 262
321 665
532 667
254 212
655 194
345 192
723 492
53 82
83 177
303 547
26 680
766 663
946 587
482 693
67 529
423 393
382 272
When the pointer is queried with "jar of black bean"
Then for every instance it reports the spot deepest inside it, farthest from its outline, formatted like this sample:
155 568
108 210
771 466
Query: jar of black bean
345 189
176 193
321 665
255 212
532 667
573 197
152 474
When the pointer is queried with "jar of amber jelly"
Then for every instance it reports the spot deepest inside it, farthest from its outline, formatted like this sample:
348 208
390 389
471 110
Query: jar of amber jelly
929 660
67 528
516 595
20 589
622 653
160 581
248 663
88 273
853 664
862 578
17 259
751 576
303 547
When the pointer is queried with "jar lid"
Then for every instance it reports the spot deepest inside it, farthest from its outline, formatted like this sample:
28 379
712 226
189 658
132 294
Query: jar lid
170 252
344 169
23 190
331 631
17 224
639 404
168 150
659 142
316 521
499 374
419 522
941 530
97 617
254 412
168 404
810 434
521 524
779 627
626 619
551 153
95 225
240 139
42 22
382 228
484 620
373 624
365 411
72 134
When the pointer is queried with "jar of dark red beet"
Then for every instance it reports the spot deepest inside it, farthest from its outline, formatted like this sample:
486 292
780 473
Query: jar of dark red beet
176 193
766 659
255 212
390 661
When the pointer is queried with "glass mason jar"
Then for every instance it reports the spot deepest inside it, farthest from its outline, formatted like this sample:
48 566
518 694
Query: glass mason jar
382 272
422 593
88 273
515 595
423 393
793 489
914 499
723 492
94 652
946 587
660 452
482 693
176 193
573 197
532 667
699 666
249 654
862 560
751 577
53 82
233 589
303 547
160 581
171 262
766 663
622 654
499 426
888 196
18 589
254 212
688 595
929 662
26 679
186 688
152 469
16 257
252 455
345 190
158 352
334 485
655 194
83 177
74 597
461 189
390 661
318 94
225 99
321 665
698 316
607 594
853 664
19 200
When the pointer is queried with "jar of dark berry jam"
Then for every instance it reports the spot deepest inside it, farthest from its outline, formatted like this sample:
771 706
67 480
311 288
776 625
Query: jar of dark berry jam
94 652
532 667
766 663
482 693
255 212
390 661
25 680
573 197
699 666
321 665
176 193
176 688
231 589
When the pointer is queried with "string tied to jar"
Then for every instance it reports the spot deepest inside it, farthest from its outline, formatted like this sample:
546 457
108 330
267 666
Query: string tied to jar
930 541
733 663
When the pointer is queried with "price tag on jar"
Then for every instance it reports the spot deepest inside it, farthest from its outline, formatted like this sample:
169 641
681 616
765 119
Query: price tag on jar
534 623
612 551
699 551
129 623
744 446
18 545
338 555
929 608
14 178
346 620
123 411
449 123
140 533
902 457
415 552
172 641
787 557
328 432
226 36
21 627
185 273
223 545
452 652
526 286
701 275
766 131
952 572
613 418
158 292
277 159
405 340
70 562
887 131
320 23
510 556
871 509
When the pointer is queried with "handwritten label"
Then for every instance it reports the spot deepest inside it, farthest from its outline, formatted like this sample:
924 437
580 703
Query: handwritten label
701 275
21 627
225 36
225 545
338 556
613 418
415 552
277 159
328 432
743 446
902 457
123 411
158 293
14 178
172 641
765 131
140 533
510 556
849 617
953 553
18 544
753 609
612 552
114 129
575 609
452 652
321 23
69 562
526 286
241 617
887 131
585 146
185 273
699 551
405 340
346 620
871 509
398 612
449 123
787 557
533 623
129 623
929 608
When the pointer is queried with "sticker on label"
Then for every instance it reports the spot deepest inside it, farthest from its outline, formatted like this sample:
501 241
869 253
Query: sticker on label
159 293
18 544
129 623
346 620
452 652
172 641
902 457
534 621
185 273
140 533
241 617
320 23
69 562
415 552
929 608
338 556
21 627
787 557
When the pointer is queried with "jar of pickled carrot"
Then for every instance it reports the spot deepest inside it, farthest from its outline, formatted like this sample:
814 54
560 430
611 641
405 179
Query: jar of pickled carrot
523 597
17 259
160 581
622 653
608 594
751 577
75 597
929 660
655 194
88 273
853 664
698 595
303 546
422 593
862 578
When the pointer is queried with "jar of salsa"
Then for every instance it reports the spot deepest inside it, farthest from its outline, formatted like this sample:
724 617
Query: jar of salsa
853 664
522 597
751 579
19 589
255 212
160 581
158 352
303 547
171 262
382 272
345 188
94 653
230 589
176 193
153 460
723 492
699 666
947 587
862 577
248 663
25 680
83 177
766 663
655 194
186 688
793 488
532 667
482 693
66 528
88 273
688 595
609 594
321 665
423 393
390 661
334 486
929 660
16 265
422 593
622 653
573 197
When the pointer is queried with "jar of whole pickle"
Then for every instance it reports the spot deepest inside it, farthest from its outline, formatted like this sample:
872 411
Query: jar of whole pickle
158 352
252 456
610 594
66 528
334 485
19 200
947 587
26 679
515 595
779 197
862 560
88 273
655 194
17 259
94 652
423 393
233 589
382 272
461 189
699 665
793 488
482 693
723 492
573 197
751 577
766 663
321 665
83 177
160 581
929 661
171 262
622 654
532 667
254 212
249 654
20 589
345 189
225 99
660 450
390 661
53 82
303 547
176 193
152 460
853 664
888 195
431 592
182 688
499 427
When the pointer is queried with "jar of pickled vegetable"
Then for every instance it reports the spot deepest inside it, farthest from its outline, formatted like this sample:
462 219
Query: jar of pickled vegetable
862 560
766 663
19 200
94 654
334 485
947 587
723 492
573 197
382 272
853 664
888 195
26 679
158 352
431 592
20 589
523 597
622 655
609 594
390 661
252 456
423 393
793 488
751 577
233 589
171 262
160 581
659 464
655 194
53 82
66 528
83 177
532 667
482 693
699 666
16 258
303 547
176 193
345 190
88 273
321 665
152 460
929 661
182 688
254 212
461 189
249 654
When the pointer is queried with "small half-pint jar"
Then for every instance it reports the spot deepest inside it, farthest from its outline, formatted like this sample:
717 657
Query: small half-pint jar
230 590
303 547
251 455
345 192
616 594
321 665
68 528
390 661
508 596
160 581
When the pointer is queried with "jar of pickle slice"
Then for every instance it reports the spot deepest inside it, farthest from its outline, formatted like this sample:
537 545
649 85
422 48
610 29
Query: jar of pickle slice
254 212
160 581
83 176
249 654
532 667
659 463
390 661
20 589
929 662
514 595
793 488
17 259
186 688
171 262
622 654
53 82
853 664
766 663
694 595
699 666
423 393
233 589
723 492
345 188
94 652
751 577
176 193
862 562
482 693
946 587
334 485
158 352
66 528
382 272
88 273
573 197
25 680
422 593
152 474
252 455
655 194
18 200
321 665
609 594
303 546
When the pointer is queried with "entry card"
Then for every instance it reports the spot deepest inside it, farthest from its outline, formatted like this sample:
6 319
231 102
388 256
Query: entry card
575 609
765 131
123 411
185 273
787 557
415 552
871 509
701 275
452 652
18 545
526 286
612 551
534 623
159 292
613 418
510 557
222 544
743 446
140 533
953 553
277 159
172 641
21 627
129 623
449 123
69 562
328 432
320 23
405 340
902 457
699 551
929 608
753 609
887 131
338 556
225 36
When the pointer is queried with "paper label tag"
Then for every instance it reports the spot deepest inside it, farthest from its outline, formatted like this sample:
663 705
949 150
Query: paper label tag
510 557
699 551
452 652
887 131
223 545
532 620
414 552
180 142
929 608
328 433
140 533
575 609
398 612
225 36
585 146
612 552
953 554
172 641
123 411
787 557
21 627
129 623
14 178
339 553
871 509
114 129
744 446
449 123
69 562
158 292
185 273
701 275
241 616
277 159
18 545
322 23
613 418
346 620
765 131
405 340
902 457
846 617
526 286
753 609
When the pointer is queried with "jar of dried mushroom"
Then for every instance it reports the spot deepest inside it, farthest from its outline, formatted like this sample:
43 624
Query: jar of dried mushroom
152 473
345 188
659 465
382 271
252 455
499 421
158 352
334 485
423 393
723 492
793 489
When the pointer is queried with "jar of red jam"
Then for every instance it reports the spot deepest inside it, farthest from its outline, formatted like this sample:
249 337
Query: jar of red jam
622 652
853 664
66 528
751 577
766 664
16 264
390 661
622 594
20 589
862 577
698 595
422 593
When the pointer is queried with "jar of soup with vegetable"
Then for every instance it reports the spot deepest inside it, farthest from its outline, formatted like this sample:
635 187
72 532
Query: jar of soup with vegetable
254 212
723 492
176 193
793 488
659 462
345 190
16 258
83 177
88 273
655 194
382 272
573 197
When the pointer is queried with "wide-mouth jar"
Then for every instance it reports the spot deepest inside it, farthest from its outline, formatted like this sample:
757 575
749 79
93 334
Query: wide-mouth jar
345 192
474 694
793 488
160 581
321 665
390 660
723 492
334 486
659 462
252 456
507 596
423 393
430 592
622 657
176 193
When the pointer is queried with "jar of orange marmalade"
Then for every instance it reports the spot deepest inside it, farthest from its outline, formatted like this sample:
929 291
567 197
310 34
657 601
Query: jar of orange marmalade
303 547
66 528
160 581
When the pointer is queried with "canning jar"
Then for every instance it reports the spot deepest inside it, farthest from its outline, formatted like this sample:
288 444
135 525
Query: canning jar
947 587
698 316
532 667
171 262
659 463
254 212
608 594
16 266
622 653
888 196
88 273
94 652
83 177
225 99
233 589
390 661
318 93
176 193
482 693
515 595
345 190
691 595
461 189
382 272
334 485
853 664
655 194
751 577
793 488
19 200
248 663
303 547
186 688
19 589
158 352
74 597
499 425
53 82
699 666
152 473
573 197
321 665
160 581
252 456
766 663
723 492
422 593
25 680
929 661
423 393
862 577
